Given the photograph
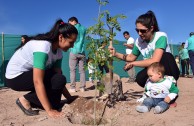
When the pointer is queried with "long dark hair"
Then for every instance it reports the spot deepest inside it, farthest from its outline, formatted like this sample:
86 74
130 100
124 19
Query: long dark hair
26 39
148 19
59 27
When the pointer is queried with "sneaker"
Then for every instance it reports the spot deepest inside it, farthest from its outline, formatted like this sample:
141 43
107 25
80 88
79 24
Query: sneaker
158 110
72 90
82 89
142 108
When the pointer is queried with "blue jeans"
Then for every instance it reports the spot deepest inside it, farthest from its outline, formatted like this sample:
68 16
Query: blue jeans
152 102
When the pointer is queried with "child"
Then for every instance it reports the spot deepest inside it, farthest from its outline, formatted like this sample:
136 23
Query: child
159 90
91 69
177 61
101 54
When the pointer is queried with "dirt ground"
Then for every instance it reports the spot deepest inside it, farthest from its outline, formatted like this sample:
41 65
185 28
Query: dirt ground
81 111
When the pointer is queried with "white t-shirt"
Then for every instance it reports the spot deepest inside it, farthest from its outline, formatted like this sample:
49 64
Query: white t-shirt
161 89
129 41
23 61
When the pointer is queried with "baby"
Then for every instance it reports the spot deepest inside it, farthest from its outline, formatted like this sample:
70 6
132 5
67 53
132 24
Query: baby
159 90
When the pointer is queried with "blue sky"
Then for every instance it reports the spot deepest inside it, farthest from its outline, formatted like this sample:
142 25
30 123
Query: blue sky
175 17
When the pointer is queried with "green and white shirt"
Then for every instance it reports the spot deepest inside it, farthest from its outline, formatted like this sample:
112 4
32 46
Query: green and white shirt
34 54
159 41
161 89
184 54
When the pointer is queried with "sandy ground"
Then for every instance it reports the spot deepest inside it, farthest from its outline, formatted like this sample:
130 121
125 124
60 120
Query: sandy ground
123 114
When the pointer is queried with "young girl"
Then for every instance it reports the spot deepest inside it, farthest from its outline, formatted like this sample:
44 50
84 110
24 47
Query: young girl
36 67
91 70
24 40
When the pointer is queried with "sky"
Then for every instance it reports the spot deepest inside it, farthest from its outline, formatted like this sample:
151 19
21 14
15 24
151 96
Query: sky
175 17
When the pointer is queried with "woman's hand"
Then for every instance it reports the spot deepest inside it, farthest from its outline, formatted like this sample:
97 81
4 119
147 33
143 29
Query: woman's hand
54 113
112 50
128 66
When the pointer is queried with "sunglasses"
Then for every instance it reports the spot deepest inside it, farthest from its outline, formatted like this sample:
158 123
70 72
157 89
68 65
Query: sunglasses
141 30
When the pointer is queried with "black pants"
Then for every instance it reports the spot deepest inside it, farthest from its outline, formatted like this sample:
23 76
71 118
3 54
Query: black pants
170 66
103 67
185 64
54 84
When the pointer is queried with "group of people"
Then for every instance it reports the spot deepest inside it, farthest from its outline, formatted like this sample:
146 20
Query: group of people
36 66
153 45
185 58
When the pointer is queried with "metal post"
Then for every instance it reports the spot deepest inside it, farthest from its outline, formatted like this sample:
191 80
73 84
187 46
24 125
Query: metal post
2 44
3 58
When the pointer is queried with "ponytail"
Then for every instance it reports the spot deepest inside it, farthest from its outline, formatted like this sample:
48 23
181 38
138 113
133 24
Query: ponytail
148 19
59 27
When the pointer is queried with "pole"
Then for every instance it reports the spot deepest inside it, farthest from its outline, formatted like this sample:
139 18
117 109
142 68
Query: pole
2 44
3 57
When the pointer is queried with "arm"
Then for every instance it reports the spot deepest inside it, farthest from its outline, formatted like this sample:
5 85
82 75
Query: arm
39 67
121 56
38 76
130 46
146 62
160 46
130 43
173 93
143 63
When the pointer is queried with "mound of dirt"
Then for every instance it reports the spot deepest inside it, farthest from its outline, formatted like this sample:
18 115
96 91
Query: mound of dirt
83 112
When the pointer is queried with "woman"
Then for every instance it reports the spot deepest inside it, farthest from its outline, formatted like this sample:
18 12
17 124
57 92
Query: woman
24 39
153 45
36 67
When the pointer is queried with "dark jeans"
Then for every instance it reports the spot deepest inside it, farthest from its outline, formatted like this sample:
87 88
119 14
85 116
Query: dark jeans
170 66
185 64
103 67
191 56
54 84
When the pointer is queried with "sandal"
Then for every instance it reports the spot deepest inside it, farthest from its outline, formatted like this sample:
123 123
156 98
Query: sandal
29 111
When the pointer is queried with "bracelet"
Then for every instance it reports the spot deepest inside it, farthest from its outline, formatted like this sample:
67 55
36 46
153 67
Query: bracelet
124 57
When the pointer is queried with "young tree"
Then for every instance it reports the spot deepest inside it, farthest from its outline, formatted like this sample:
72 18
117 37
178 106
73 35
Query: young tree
102 31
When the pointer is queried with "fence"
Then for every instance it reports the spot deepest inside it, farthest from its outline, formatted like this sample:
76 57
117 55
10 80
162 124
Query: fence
10 42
